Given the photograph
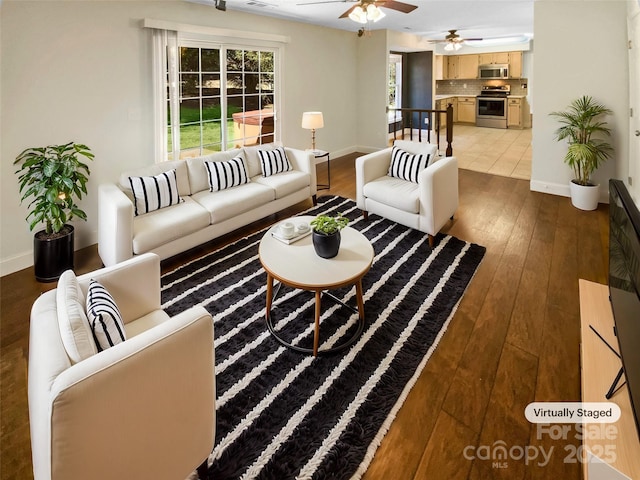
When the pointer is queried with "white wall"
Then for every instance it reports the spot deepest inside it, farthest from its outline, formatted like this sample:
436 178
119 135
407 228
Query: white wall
580 49
372 91
81 71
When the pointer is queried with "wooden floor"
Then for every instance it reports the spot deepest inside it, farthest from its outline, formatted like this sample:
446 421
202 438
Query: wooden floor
514 339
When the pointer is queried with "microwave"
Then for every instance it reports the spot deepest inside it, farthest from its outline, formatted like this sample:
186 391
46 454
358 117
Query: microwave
493 71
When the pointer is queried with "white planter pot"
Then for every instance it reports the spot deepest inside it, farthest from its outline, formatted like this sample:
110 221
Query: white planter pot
584 197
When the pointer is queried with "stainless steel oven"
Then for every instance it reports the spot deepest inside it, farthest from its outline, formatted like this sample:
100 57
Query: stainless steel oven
491 106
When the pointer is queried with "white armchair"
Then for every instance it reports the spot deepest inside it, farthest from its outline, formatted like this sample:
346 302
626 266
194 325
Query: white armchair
426 205
141 409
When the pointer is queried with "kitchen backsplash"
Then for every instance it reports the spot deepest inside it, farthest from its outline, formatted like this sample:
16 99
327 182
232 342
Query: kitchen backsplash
473 87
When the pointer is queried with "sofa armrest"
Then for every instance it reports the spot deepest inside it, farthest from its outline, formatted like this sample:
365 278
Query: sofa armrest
156 390
134 284
304 161
115 225
438 193
369 167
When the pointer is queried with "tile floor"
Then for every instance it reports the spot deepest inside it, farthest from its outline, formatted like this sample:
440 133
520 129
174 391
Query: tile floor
505 152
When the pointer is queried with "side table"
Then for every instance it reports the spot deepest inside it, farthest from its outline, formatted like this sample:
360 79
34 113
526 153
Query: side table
321 154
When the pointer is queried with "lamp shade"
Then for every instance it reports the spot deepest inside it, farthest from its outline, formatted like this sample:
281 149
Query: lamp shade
312 120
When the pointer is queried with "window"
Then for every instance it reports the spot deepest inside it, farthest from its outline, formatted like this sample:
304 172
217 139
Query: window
395 85
225 98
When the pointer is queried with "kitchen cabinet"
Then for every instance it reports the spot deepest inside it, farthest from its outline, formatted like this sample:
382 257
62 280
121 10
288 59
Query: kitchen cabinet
461 67
514 113
441 67
515 64
518 113
465 67
468 66
442 105
467 109
452 67
501 58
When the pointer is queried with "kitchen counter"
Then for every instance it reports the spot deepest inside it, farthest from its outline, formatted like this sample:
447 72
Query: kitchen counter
440 97
457 95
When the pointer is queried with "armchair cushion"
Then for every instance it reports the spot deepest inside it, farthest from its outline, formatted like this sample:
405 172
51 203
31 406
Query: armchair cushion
72 321
274 161
154 193
407 166
104 317
226 174
394 192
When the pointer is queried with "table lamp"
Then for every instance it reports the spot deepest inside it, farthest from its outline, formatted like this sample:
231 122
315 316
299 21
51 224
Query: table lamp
311 121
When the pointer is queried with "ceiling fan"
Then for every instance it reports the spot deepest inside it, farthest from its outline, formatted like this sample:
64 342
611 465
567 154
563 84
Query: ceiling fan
363 10
453 40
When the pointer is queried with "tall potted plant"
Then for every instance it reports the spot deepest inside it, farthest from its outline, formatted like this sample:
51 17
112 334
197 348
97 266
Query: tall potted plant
53 177
585 132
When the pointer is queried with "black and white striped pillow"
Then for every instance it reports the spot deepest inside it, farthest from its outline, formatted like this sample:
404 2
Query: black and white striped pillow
226 174
407 166
104 317
274 161
154 193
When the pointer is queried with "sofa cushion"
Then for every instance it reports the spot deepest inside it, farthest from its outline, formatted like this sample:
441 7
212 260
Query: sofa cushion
179 166
104 317
198 177
407 166
228 203
154 193
252 158
226 174
285 183
394 192
274 161
162 226
72 321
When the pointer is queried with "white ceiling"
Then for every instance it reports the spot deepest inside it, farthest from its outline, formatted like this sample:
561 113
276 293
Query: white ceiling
432 18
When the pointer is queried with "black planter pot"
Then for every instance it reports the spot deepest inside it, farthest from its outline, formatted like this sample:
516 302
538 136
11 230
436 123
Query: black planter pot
326 246
52 255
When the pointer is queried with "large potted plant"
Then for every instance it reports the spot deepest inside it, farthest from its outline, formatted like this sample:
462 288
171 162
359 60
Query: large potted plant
582 127
326 234
54 178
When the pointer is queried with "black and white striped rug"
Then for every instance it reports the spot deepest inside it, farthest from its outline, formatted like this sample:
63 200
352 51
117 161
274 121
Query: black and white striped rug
287 415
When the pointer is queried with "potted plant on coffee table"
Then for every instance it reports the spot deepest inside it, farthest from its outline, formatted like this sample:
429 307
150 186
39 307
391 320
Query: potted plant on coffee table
326 234
582 127
53 177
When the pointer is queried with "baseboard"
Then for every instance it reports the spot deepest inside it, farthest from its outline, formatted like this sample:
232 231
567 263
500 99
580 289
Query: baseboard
16 263
552 188
344 151
25 260
563 190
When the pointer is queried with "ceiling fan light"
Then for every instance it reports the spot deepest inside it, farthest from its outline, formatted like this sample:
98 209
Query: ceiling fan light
374 13
449 47
457 46
358 15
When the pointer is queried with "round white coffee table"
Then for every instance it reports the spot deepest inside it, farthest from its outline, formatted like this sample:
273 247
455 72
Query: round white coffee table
297 265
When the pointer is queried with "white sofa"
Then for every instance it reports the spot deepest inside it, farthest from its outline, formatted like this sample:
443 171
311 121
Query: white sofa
426 205
143 408
204 215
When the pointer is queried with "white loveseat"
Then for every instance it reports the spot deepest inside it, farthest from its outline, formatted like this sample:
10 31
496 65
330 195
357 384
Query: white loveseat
143 408
426 205
204 215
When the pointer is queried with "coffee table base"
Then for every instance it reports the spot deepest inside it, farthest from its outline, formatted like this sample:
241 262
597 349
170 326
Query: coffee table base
315 350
